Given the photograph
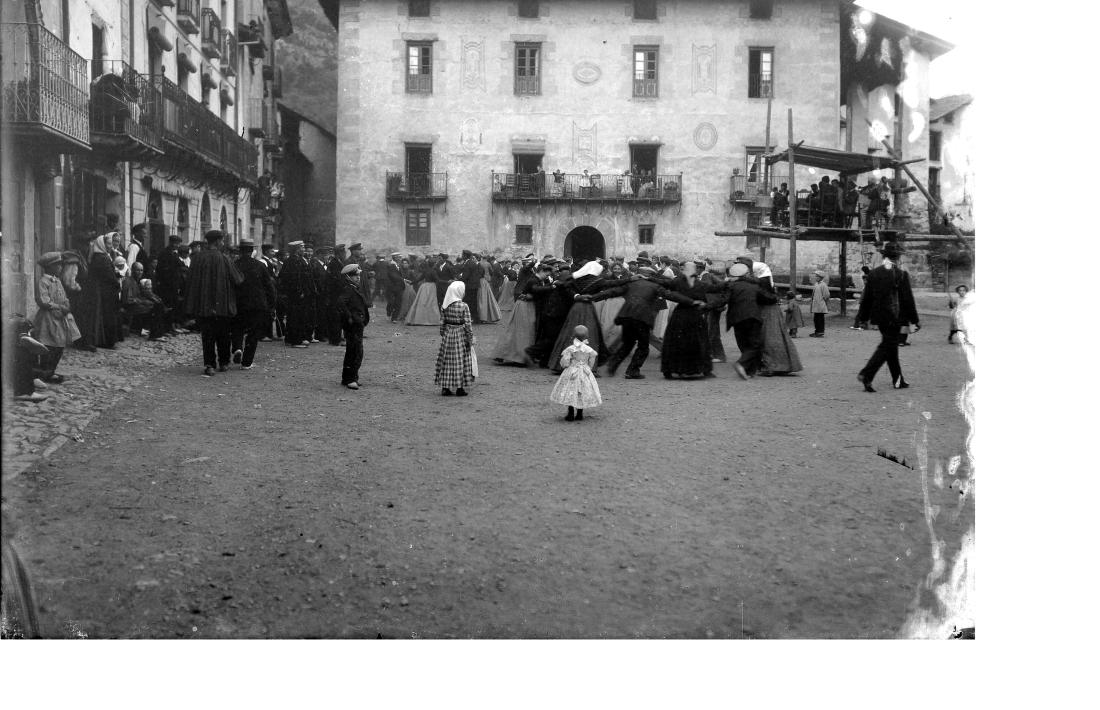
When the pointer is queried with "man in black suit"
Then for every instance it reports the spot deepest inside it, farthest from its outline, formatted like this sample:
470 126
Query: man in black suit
743 315
352 305
888 303
636 317
444 275
319 272
255 303
394 285
471 276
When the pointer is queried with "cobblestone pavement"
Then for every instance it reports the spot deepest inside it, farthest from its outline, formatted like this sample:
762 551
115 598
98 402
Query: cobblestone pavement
93 383
274 503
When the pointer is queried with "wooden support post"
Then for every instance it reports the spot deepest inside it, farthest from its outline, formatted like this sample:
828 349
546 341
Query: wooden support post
844 275
792 202
764 169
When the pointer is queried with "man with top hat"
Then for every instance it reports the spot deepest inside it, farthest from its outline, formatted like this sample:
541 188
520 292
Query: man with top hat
394 286
352 306
888 303
255 301
212 300
297 287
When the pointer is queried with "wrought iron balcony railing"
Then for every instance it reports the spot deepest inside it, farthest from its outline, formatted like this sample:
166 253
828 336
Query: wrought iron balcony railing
187 15
211 33
127 111
581 187
193 132
646 88
760 86
45 86
416 186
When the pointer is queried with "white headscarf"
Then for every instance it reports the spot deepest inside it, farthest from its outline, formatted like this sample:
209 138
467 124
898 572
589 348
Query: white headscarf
760 270
592 268
455 292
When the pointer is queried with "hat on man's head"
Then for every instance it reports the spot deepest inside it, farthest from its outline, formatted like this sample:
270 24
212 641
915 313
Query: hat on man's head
351 269
357 245
246 244
397 255
324 248
891 250
175 239
49 258
297 243
214 235
308 245
194 244
739 269
340 247
819 273
267 247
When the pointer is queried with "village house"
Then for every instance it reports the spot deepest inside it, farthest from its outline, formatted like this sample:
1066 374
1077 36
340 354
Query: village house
607 127
950 160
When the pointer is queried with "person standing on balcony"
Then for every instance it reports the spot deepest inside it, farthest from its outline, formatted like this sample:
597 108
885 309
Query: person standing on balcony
212 300
296 284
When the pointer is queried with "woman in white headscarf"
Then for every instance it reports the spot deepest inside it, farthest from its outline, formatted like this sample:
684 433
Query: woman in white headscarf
104 283
586 280
454 368
780 357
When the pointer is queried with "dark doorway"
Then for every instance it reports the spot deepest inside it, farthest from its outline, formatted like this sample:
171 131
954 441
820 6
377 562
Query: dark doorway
584 243
418 168
643 159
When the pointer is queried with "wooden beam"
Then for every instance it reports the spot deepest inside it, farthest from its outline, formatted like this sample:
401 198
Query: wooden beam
792 201
843 277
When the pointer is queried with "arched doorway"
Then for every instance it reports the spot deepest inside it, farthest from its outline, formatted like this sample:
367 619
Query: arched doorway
584 243
205 224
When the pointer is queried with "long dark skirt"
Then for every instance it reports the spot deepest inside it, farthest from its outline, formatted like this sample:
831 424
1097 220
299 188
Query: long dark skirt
580 314
686 346
780 356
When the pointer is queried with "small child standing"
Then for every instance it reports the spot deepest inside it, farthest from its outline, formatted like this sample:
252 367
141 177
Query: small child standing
576 387
794 314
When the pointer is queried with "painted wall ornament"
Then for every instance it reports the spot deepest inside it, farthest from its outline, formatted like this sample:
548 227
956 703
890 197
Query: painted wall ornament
704 62
473 64
587 72
706 136
584 145
470 135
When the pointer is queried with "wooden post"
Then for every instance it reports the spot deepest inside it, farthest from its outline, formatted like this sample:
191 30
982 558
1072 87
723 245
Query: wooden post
766 172
844 275
792 202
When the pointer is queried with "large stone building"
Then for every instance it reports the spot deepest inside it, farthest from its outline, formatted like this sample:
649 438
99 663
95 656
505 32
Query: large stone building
134 111
471 124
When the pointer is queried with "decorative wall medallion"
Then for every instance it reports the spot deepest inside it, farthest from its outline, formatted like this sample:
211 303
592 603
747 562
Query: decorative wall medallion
584 145
706 136
704 62
473 64
587 72
471 135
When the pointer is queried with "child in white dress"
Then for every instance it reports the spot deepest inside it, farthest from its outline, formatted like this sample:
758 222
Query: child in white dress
576 387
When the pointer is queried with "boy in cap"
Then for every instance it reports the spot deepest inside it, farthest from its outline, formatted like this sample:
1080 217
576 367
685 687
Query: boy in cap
352 306
54 323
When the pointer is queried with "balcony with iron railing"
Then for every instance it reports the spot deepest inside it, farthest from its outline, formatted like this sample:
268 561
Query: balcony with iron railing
760 86
194 133
188 13
211 33
127 112
45 88
416 187
552 187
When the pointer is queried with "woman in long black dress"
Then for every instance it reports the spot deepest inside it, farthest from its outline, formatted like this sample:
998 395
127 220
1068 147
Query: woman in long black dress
586 280
685 351
780 357
103 286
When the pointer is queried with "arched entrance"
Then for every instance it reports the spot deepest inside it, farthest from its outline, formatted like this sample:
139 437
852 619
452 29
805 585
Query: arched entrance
584 243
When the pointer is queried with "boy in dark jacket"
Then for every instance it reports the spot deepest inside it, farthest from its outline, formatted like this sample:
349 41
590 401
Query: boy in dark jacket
352 306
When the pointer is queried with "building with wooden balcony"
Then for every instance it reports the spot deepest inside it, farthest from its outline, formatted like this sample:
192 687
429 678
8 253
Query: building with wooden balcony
606 126
140 118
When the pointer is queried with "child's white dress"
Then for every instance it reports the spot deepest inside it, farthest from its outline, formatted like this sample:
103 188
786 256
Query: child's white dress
577 387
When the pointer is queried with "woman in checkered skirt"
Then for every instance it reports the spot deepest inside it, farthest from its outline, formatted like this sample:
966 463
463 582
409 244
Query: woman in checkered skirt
454 366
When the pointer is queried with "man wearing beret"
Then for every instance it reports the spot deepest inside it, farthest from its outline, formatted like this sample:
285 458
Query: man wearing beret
212 300
888 303
297 286
255 302
352 306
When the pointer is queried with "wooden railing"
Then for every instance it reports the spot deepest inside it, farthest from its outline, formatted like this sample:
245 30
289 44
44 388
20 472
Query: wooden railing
573 186
45 84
